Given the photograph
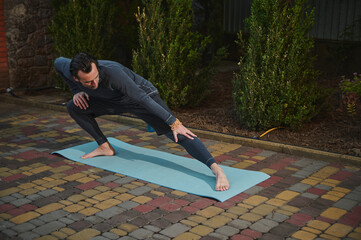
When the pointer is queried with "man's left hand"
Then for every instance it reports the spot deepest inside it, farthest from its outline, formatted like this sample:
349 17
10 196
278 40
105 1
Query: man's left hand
183 131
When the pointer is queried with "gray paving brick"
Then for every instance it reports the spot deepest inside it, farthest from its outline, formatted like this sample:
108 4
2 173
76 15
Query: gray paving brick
99 238
7 199
9 232
152 228
76 216
346 204
126 238
218 236
47 192
264 225
17 195
28 236
300 187
107 179
240 224
49 227
266 153
310 195
110 235
323 187
253 190
141 144
128 205
278 217
66 220
24 227
33 197
6 224
140 190
227 231
94 219
304 162
20 202
52 216
141 233
160 237
174 230
110 212
125 180
354 195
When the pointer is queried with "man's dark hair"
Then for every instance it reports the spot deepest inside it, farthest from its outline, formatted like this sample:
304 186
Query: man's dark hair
82 62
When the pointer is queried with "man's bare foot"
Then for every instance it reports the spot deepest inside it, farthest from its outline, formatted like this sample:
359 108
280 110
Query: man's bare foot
104 149
222 183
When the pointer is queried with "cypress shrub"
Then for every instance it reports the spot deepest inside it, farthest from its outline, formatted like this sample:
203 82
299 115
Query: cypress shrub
82 26
276 84
170 52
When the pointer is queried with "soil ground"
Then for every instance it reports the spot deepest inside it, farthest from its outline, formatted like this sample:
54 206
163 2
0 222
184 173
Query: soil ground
333 130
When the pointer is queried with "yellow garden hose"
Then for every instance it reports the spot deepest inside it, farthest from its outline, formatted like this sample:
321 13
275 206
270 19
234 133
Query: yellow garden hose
269 130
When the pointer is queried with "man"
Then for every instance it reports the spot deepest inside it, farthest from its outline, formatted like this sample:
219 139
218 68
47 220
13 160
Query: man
106 87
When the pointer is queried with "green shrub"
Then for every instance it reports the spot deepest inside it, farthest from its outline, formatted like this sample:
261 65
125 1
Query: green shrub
82 26
170 52
276 84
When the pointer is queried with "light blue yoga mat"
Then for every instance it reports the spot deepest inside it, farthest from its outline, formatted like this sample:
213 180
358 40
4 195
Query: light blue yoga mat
165 169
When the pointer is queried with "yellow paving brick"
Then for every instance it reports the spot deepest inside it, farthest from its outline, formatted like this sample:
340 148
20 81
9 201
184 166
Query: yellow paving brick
189 223
325 172
269 171
160 194
332 181
179 193
251 217
330 197
65 202
9 191
291 168
341 189
287 195
130 186
263 209
303 235
58 189
85 204
29 191
76 198
242 165
84 234
255 200
89 211
310 181
5 216
92 201
128 227
336 194
339 230
120 190
94 176
49 208
40 169
60 169
40 188
259 157
276 202
54 183
141 199
27 173
74 176
197 219
284 212
24 217
312 230
355 235
152 185
73 208
217 221
237 210
210 211
358 229
229 215
105 195
333 213
320 225
84 179
59 235
329 237
39 181
245 205
202 230
125 197
187 236
290 208
27 185
107 204
118 232
90 193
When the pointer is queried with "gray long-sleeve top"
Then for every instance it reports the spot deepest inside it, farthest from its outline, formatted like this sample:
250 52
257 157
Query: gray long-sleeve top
117 84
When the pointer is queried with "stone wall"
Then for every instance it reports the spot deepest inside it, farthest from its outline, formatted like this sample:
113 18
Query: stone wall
29 45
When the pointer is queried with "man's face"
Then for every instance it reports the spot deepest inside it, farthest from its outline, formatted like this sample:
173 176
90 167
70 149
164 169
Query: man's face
89 80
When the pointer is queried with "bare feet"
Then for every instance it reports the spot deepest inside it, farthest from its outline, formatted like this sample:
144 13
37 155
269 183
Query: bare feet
222 183
104 149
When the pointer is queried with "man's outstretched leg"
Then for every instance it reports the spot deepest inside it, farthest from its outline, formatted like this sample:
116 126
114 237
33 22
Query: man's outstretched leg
104 149
196 149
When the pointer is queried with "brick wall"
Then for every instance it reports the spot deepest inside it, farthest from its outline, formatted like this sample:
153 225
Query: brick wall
4 71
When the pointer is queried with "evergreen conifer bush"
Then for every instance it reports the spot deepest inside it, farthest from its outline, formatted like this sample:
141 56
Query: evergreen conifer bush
82 26
170 52
276 84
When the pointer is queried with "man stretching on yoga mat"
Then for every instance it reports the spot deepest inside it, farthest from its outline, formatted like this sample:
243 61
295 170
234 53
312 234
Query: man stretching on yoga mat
108 88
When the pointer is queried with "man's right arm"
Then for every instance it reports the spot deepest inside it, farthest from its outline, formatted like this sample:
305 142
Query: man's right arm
62 66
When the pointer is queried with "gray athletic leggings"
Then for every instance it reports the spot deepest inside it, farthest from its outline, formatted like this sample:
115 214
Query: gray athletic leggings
97 107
